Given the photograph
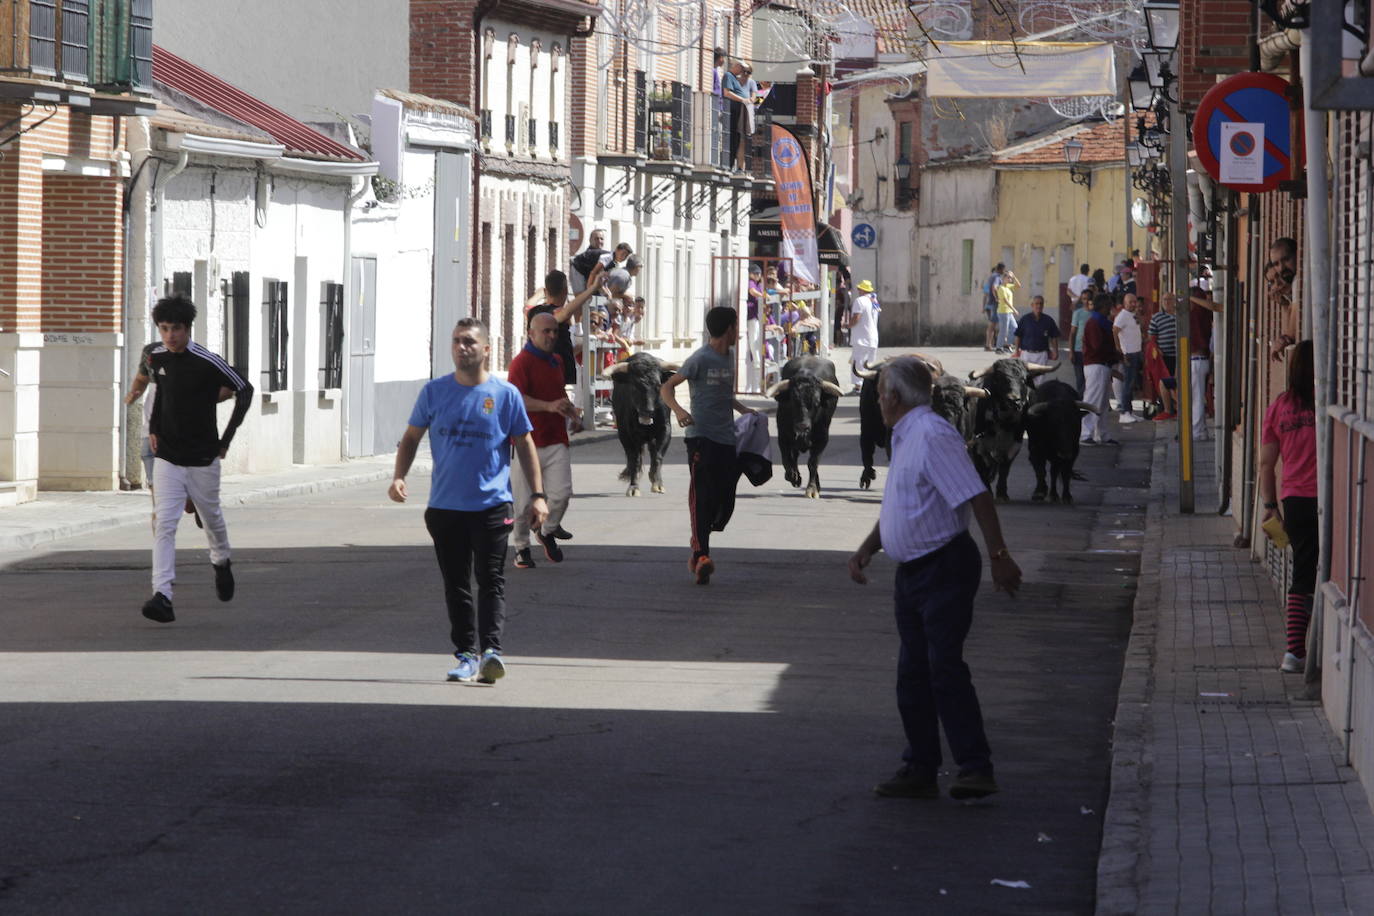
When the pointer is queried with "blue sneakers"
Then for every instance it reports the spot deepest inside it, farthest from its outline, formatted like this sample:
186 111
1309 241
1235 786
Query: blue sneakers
492 668
466 669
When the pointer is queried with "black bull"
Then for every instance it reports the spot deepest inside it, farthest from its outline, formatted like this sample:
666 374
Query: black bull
1053 421
948 399
641 418
806 394
999 420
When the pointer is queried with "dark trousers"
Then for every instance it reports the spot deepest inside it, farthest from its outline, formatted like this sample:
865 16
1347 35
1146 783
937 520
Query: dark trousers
934 600
1078 378
711 494
467 543
1131 367
1300 521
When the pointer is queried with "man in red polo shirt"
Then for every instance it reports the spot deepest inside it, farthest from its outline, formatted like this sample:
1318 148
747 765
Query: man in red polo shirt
537 372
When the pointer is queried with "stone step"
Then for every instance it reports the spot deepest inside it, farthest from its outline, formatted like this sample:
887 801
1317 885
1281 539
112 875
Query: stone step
9 493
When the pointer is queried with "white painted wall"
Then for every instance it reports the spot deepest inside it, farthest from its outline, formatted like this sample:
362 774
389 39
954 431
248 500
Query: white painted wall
400 235
310 58
303 220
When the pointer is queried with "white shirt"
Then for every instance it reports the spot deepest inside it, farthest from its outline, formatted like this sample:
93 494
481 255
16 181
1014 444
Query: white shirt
1130 331
863 326
1078 283
930 481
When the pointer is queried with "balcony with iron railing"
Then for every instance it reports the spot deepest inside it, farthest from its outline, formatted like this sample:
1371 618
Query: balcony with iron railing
710 131
670 122
105 45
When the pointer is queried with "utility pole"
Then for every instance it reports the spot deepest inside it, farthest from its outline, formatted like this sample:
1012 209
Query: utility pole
1178 235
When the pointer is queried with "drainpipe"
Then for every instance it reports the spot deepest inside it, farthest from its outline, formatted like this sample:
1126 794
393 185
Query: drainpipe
1319 278
160 188
349 293
1253 348
136 218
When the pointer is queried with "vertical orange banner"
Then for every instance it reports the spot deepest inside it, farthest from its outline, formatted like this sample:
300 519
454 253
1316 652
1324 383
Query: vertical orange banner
798 219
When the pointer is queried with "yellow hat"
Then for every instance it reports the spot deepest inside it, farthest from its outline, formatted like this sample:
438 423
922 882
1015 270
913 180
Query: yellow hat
865 286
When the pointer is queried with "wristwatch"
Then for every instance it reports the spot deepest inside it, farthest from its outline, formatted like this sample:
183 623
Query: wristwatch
537 495
1002 554
1271 505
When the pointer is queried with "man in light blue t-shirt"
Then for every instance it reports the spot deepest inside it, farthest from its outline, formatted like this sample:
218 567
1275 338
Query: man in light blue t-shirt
471 417
710 374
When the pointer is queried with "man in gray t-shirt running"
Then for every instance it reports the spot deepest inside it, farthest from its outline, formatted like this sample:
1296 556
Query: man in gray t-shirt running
710 374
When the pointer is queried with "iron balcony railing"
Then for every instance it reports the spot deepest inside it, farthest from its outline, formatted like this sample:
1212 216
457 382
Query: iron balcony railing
710 130
670 121
106 43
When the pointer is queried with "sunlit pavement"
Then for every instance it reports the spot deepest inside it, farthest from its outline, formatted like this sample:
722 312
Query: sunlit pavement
657 747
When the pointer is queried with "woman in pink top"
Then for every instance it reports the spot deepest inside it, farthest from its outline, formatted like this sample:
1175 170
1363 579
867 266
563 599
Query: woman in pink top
1290 434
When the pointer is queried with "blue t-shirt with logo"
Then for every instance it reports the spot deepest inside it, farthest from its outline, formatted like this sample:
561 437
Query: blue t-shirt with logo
469 432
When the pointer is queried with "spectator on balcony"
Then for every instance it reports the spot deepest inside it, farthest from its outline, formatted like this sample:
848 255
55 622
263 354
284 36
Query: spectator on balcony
751 92
718 72
733 90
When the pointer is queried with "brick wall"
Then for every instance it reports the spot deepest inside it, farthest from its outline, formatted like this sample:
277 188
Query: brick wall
1213 42
83 223
81 254
441 49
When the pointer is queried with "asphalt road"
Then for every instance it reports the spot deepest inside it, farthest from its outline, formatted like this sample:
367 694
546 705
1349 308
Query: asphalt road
657 747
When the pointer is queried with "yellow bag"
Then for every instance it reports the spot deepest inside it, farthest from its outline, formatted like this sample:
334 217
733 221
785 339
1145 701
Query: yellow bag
1274 529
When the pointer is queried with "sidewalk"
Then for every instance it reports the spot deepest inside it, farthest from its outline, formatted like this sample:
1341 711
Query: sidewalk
1228 791
57 515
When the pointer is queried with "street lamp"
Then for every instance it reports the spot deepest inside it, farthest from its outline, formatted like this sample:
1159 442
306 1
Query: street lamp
1135 154
1142 95
903 168
1073 151
1161 21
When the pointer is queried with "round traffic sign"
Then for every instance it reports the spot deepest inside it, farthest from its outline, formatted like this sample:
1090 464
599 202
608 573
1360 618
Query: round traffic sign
863 235
1246 98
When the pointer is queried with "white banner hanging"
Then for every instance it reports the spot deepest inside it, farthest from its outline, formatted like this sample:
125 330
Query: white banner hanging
1024 69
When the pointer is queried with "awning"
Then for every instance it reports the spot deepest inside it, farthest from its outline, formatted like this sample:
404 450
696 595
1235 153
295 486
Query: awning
831 247
828 240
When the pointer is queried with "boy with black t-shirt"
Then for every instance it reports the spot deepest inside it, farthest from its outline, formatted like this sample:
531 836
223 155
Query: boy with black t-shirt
187 446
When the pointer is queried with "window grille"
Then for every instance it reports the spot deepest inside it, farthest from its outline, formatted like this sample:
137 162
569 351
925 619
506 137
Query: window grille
236 324
332 336
76 40
486 124
181 284
553 138
274 315
43 37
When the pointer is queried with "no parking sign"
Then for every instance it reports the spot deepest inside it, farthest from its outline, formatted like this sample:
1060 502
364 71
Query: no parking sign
1242 132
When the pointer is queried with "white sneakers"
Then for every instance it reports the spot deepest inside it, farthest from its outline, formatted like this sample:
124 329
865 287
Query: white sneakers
1292 664
1127 418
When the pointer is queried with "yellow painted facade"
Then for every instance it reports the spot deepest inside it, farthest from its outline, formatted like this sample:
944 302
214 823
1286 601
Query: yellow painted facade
1045 219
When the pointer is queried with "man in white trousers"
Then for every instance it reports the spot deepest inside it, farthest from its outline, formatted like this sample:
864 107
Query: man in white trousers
537 373
1099 355
863 331
187 446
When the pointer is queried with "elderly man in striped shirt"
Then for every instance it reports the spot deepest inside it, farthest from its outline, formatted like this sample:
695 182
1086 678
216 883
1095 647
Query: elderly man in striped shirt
932 489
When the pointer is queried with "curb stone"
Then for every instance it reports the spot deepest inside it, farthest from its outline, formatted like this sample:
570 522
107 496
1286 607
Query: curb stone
1124 822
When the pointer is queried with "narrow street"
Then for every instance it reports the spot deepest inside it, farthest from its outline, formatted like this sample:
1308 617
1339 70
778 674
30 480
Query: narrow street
657 747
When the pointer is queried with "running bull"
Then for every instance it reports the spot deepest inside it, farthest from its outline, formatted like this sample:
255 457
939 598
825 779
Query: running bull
999 420
947 400
1052 424
806 396
641 418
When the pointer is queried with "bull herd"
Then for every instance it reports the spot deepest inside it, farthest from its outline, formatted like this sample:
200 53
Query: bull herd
994 409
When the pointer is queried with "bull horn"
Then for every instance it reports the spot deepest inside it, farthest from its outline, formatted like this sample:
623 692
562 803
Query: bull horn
935 365
832 388
975 376
614 368
876 366
779 388
1084 405
1039 369
870 372
672 367
972 392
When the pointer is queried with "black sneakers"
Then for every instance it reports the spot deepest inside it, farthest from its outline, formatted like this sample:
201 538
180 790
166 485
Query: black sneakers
551 548
523 560
561 534
907 783
224 581
974 784
159 608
